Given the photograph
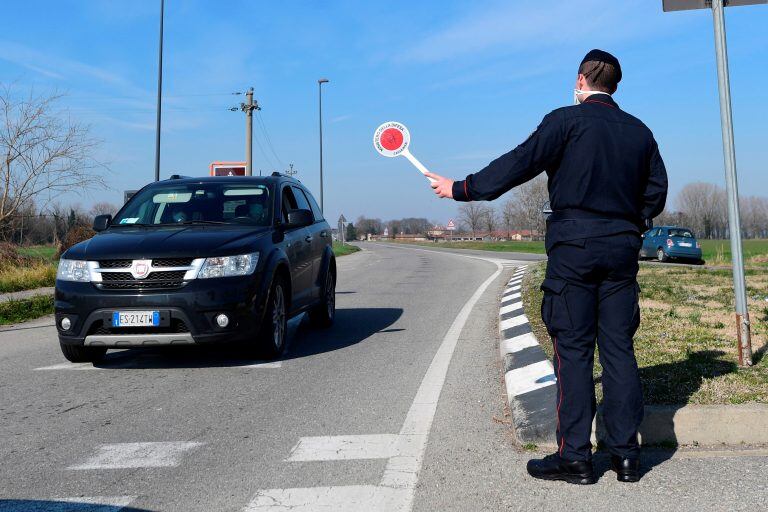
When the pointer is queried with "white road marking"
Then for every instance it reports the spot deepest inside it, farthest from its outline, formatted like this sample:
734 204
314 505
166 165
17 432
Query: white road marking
263 364
137 455
515 306
518 343
70 366
348 498
396 490
77 504
530 378
376 446
514 295
513 322
515 288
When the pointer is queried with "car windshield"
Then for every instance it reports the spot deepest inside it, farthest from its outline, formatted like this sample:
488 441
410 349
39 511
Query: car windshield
684 233
197 203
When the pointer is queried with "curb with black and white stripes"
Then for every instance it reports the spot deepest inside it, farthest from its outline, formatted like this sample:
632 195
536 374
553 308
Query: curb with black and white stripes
529 376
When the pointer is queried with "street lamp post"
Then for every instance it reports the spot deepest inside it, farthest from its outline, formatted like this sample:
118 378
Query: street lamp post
729 156
159 94
320 83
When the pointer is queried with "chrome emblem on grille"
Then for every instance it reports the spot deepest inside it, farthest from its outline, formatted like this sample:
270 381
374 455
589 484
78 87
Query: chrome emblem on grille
140 268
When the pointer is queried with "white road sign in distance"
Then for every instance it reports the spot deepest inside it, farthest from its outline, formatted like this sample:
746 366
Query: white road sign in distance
392 139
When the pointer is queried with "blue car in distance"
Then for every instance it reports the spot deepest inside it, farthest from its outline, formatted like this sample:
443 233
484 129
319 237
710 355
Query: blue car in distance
670 242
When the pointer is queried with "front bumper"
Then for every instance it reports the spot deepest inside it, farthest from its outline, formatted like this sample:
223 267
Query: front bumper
187 314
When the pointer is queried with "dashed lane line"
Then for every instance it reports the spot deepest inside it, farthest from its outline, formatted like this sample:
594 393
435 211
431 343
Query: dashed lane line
137 455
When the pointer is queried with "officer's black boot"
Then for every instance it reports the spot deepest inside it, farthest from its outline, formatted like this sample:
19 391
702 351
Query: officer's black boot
552 467
627 470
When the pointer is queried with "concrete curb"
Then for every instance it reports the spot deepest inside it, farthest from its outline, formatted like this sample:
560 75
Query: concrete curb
26 294
531 394
529 376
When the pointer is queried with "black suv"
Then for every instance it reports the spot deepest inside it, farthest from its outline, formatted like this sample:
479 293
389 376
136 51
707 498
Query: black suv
198 260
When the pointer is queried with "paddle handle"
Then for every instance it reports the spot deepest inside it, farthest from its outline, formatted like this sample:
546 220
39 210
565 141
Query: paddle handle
407 154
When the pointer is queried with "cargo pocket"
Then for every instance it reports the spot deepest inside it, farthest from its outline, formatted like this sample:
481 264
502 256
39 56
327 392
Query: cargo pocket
554 308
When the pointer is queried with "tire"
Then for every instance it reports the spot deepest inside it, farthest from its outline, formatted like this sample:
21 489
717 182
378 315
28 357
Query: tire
324 313
274 327
82 354
661 255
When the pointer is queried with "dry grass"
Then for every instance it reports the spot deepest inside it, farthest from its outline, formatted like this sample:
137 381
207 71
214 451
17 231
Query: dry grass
686 346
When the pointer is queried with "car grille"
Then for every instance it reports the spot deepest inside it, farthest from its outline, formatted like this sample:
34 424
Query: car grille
103 327
172 262
155 280
115 263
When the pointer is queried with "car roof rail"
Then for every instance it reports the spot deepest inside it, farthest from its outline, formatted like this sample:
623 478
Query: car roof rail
178 177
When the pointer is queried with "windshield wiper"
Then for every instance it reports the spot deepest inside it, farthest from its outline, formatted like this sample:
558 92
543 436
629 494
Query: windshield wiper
188 222
143 225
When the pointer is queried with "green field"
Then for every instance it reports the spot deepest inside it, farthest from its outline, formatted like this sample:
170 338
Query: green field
686 346
43 252
718 252
522 246
714 252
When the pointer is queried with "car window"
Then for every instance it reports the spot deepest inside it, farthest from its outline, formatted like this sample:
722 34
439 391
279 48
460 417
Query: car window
315 208
288 203
172 203
301 199
684 233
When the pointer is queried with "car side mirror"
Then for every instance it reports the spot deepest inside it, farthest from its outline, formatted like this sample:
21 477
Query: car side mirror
299 218
101 222
642 235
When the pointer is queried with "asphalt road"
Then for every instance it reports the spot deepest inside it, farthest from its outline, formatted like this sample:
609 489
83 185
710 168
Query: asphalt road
399 406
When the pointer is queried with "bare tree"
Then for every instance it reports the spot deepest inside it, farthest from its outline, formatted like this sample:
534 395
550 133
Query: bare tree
45 154
508 216
103 208
529 200
490 218
704 209
472 215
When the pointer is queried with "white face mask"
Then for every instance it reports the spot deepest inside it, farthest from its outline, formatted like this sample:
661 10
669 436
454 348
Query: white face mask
578 92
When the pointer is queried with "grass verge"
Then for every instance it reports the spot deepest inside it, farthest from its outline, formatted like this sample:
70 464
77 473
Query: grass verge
17 311
522 246
343 249
29 277
685 347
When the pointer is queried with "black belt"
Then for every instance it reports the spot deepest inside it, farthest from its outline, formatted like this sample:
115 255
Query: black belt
575 214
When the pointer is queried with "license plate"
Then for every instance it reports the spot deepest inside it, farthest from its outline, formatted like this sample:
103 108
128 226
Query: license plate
135 318
685 244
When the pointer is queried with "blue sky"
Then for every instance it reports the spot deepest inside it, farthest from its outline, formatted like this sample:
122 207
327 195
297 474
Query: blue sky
470 79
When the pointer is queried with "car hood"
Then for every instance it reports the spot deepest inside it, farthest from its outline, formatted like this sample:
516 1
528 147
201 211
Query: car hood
169 241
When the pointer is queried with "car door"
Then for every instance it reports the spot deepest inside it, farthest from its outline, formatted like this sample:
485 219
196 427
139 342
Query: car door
299 250
317 235
649 247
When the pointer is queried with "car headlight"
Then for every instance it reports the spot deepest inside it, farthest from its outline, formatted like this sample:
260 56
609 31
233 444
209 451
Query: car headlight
73 270
228 266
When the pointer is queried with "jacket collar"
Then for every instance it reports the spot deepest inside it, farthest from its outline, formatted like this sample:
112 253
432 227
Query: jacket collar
601 98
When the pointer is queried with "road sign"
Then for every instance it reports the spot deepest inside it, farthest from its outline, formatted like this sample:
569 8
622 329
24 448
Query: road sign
227 169
687 5
451 226
392 139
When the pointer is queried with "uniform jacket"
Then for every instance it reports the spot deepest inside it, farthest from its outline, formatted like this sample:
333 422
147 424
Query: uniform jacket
605 173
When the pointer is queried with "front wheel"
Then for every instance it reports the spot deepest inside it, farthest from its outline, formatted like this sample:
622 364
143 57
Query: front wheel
274 327
324 313
82 354
661 255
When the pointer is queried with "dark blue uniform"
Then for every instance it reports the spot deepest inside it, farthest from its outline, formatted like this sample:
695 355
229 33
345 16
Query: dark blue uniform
605 179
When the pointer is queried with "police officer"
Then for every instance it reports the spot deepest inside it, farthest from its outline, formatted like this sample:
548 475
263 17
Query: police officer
606 179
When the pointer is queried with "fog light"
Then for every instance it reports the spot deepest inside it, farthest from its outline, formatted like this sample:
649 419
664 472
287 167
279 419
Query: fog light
66 323
222 320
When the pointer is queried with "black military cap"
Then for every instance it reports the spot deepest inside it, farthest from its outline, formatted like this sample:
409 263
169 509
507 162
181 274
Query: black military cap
601 56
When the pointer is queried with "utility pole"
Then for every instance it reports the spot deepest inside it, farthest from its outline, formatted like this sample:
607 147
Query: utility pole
248 107
320 112
159 94
729 156
290 171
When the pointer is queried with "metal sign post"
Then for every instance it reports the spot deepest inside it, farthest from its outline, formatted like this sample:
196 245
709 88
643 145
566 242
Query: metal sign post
729 155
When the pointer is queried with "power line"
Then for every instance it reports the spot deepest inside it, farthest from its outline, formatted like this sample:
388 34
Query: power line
266 136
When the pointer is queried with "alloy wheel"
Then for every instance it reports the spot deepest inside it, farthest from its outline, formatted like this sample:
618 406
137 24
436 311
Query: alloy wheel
278 317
